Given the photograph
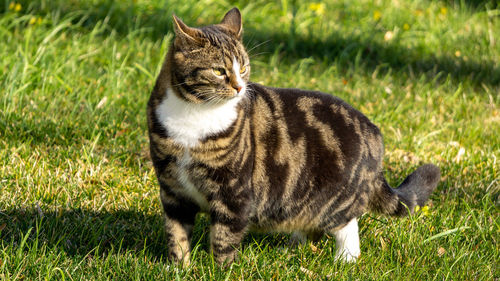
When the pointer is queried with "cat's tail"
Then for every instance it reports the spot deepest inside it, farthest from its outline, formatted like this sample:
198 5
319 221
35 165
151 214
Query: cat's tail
414 191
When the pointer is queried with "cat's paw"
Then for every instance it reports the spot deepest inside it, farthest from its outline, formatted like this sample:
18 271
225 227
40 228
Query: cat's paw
225 260
182 260
347 256
347 242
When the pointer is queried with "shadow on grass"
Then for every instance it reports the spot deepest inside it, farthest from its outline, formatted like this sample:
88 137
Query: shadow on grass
65 132
78 231
474 4
39 131
365 54
81 232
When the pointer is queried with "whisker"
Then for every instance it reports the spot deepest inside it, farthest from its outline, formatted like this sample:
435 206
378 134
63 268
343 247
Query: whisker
258 45
254 55
175 85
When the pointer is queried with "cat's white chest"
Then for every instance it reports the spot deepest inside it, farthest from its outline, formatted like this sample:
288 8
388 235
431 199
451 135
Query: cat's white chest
188 123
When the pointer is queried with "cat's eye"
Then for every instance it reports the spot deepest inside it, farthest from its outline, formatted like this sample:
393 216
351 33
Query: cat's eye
243 69
219 71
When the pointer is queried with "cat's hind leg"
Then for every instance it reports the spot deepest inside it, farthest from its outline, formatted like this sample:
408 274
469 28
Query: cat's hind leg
300 237
297 238
347 242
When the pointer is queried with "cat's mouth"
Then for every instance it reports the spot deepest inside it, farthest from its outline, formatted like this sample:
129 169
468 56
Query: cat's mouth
219 95
231 94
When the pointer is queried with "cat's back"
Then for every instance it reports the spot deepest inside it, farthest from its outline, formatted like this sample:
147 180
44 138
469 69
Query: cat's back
325 116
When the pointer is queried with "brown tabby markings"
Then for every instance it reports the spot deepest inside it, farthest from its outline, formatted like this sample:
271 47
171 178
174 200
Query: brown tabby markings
327 134
292 160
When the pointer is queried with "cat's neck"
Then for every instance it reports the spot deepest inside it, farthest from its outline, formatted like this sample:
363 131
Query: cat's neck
188 123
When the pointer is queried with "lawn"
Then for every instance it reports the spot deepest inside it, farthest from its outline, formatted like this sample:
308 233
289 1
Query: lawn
78 195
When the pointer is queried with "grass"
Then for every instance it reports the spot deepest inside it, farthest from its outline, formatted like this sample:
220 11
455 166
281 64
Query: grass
79 198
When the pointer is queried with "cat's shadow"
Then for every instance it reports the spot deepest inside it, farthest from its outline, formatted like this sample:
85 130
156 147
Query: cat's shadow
80 232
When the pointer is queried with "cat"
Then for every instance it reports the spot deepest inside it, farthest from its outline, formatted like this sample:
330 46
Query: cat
260 158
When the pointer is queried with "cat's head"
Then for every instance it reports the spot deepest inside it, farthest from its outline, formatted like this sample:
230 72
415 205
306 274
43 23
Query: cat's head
209 64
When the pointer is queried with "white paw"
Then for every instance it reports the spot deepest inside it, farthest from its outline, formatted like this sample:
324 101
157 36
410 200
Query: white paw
347 241
346 256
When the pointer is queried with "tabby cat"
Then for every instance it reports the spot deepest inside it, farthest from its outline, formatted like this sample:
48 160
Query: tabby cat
261 158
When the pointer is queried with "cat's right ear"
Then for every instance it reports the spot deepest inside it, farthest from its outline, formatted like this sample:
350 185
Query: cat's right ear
185 35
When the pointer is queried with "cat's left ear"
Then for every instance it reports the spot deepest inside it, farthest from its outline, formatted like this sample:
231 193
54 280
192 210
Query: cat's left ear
232 21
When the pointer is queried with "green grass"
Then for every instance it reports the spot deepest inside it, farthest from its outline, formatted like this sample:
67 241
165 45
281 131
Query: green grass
79 198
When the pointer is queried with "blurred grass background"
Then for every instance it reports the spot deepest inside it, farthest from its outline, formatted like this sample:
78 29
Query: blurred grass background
78 196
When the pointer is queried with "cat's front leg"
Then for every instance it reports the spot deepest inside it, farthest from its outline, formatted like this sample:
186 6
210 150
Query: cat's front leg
178 240
228 226
179 220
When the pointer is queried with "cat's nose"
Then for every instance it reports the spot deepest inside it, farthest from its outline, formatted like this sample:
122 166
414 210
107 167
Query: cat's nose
236 84
237 87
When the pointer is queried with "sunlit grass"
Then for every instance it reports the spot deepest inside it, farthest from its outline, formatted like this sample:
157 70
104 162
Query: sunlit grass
78 196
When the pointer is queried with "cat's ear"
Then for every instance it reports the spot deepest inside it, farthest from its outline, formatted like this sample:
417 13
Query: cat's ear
232 21
185 34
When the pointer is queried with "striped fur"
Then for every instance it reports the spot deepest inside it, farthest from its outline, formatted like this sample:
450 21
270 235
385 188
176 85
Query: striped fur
263 158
